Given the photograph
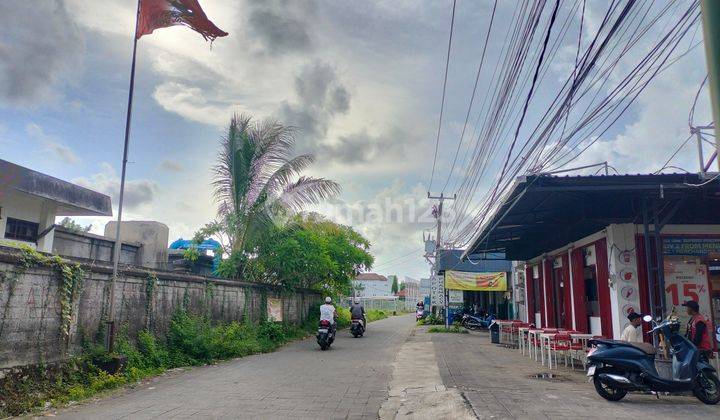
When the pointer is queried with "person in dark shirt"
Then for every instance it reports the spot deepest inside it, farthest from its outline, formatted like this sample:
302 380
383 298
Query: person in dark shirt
357 311
698 329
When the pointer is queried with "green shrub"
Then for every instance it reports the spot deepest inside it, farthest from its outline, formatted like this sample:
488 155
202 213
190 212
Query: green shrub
454 329
343 320
375 315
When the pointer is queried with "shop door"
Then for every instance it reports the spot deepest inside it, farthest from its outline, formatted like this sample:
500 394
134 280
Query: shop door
559 289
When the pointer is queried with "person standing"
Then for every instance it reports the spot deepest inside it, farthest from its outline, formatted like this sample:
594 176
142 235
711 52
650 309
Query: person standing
633 332
698 329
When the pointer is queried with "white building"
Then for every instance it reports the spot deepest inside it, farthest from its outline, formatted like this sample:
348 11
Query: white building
412 289
371 285
30 201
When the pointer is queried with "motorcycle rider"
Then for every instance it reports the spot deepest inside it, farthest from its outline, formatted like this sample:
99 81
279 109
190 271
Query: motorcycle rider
357 311
328 313
698 329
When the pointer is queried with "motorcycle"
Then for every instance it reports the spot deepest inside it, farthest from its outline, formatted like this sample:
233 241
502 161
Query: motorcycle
325 335
618 367
357 328
472 322
419 314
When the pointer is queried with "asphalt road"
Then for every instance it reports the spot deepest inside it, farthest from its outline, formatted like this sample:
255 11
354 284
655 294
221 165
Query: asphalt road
349 381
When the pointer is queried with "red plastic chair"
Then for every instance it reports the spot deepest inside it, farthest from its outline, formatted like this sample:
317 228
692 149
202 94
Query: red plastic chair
561 343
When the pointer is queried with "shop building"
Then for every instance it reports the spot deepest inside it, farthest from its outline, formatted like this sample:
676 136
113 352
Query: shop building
591 249
481 283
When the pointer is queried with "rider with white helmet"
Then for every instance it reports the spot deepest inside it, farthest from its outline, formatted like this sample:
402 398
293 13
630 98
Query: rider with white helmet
328 312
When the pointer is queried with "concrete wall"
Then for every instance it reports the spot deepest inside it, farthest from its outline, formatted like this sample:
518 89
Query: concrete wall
93 247
30 306
152 235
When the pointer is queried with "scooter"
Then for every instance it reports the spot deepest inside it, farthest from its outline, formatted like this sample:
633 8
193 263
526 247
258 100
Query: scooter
618 367
357 328
419 314
325 335
472 322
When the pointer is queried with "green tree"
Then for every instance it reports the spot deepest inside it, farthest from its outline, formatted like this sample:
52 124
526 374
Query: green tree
257 182
313 253
394 287
74 226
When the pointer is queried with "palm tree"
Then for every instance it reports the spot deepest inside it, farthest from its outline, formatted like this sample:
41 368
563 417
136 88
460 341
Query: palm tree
257 178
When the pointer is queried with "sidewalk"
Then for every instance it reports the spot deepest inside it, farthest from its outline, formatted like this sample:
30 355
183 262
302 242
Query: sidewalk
497 383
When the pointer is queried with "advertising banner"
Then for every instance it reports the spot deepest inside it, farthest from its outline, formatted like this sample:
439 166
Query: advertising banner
685 282
455 297
678 245
483 282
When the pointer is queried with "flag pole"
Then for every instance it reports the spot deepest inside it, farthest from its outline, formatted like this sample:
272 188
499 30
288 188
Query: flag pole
110 343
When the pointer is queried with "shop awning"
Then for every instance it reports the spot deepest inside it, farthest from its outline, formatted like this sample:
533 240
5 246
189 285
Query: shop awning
543 212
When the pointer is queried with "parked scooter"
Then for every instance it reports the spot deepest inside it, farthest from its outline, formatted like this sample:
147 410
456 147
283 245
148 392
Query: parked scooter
618 367
357 328
325 335
472 322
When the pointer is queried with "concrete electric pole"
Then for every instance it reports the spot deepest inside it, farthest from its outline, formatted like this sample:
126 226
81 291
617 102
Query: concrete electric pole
710 10
438 215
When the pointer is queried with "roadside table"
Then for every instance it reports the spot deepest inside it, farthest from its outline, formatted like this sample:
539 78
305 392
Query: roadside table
546 337
533 337
521 339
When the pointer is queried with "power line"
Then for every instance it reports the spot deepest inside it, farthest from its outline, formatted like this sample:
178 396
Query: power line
472 97
442 102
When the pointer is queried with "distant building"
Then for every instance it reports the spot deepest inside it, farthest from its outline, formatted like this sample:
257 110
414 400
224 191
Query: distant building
30 201
425 287
412 289
371 285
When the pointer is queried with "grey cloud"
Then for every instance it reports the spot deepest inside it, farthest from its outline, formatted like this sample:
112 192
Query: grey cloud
39 44
282 26
137 192
362 147
171 166
320 97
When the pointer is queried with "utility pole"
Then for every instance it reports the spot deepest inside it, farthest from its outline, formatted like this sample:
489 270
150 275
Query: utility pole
441 198
710 10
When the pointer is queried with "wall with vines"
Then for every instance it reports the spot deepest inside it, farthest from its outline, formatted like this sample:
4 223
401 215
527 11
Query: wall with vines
50 306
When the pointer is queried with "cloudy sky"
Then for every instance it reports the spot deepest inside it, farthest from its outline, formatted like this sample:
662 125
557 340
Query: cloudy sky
360 79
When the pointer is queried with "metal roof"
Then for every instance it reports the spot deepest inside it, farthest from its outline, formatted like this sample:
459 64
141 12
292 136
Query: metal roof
543 212
449 259
71 199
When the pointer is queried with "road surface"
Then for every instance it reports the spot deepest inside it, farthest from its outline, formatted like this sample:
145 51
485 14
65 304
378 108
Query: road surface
349 381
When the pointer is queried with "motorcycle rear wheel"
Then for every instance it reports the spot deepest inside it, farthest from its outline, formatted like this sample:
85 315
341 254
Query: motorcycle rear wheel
606 391
707 387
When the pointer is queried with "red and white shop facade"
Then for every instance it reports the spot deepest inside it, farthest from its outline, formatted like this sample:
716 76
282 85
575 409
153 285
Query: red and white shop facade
592 284
585 248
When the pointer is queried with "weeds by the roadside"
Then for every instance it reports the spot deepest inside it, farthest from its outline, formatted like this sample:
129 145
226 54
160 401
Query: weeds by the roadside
457 329
431 319
191 340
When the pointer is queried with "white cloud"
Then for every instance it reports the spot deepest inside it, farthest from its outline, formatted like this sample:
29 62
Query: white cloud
52 145
171 166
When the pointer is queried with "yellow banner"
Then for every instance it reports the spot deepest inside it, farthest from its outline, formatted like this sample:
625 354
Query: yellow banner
485 282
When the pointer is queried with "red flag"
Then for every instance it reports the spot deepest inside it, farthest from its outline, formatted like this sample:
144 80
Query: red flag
156 14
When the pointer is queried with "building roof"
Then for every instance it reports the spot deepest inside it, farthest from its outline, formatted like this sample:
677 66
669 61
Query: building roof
370 277
449 259
71 199
543 212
